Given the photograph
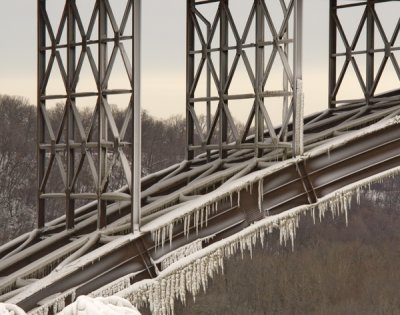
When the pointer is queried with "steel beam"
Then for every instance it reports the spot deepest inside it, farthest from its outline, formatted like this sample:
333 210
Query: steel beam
298 114
190 60
370 75
260 66
70 135
332 53
41 70
223 77
136 129
102 127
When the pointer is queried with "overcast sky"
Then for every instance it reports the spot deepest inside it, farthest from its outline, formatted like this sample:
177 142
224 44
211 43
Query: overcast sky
163 51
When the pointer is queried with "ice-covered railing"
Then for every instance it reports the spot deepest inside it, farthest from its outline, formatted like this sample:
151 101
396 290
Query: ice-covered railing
197 211
161 297
191 273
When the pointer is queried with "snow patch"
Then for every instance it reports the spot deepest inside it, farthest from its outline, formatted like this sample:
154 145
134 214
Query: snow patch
114 305
10 309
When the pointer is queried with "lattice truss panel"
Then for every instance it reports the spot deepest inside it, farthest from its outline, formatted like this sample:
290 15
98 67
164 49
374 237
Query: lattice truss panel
364 58
240 72
84 69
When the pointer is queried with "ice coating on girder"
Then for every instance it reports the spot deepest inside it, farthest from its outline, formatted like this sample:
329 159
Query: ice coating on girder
191 274
205 205
336 203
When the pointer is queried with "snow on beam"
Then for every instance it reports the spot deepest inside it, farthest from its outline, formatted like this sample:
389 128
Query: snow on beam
191 274
197 211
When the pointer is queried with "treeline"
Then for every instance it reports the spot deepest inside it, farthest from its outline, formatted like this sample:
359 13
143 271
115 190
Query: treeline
163 145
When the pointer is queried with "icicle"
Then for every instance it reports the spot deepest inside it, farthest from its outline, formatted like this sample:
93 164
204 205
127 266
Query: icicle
180 253
313 214
113 287
197 221
171 231
201 217
163 236
260 194
190 273
184 225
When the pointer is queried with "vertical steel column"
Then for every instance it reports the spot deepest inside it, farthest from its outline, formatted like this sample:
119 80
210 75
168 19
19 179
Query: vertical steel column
190 46
370 51
136 136
223 77
102 119
260 37
71 64
332 52
298 100
41 73
285 85
208 74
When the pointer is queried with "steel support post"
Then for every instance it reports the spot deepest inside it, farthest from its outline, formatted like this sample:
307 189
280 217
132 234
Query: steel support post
332 52
41 70
370 51
285 85
260 38
208 75
136 130
223 77
298 100
71 64
102 120
190 60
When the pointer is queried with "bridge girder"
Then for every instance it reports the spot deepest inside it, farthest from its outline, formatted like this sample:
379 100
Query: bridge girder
215 40
69 149
302 181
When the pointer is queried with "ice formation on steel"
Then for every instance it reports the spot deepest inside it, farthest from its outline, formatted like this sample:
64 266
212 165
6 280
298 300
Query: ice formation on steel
191 274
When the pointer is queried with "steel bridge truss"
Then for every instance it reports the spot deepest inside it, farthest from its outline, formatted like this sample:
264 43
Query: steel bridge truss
211 41
346 53
68 149
344 146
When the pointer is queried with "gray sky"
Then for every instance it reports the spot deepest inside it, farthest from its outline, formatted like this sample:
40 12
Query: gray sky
164 52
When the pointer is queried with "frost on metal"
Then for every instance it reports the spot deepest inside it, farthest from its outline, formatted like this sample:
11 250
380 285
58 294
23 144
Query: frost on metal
181 253
194 215
114 287
55 305
189 269
192 273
